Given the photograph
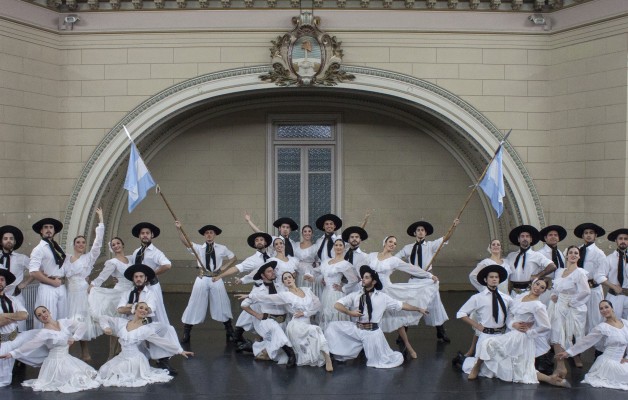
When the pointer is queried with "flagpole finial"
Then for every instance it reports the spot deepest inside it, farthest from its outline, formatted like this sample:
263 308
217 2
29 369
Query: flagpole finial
127 133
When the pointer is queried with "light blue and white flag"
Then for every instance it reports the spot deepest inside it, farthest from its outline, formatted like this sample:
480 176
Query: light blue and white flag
138 180
493 183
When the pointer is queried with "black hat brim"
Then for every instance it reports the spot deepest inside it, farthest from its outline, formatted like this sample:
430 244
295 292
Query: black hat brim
562 232
503 274
148 271
206 228
47 221
8 276
579 230
513 236
260 270
285 220
354 229
138 228
251 239
320 222
429 229
17 234
614 234
374 275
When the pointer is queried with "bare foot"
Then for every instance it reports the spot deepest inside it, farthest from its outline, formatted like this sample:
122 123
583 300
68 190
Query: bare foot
560 372
558 381
262 356
473 374
411 352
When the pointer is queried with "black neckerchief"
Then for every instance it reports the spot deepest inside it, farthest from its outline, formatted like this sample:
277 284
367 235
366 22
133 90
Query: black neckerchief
139 257
210 255
5 259
57 252
288 245
264 255
365 298
583 253
556 258
134 296
497 299
330 245
417 254
349 254
522 252
271 287
621 262
7 304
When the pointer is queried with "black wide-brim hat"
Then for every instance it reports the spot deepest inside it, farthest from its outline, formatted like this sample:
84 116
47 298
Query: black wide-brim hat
47 221
562 232
251 239
503 274
579 230
17 234
364 269
320 222
354 229
206 228
137 228
429 229
8 276
613 235
148 271
285 220
513 236
260 271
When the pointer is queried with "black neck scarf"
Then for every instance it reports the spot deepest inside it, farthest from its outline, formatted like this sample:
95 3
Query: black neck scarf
621 262
349 255
583 253
265 255
5 259
210 255
417 254
134 296
522 252
288 245
7 304
497 302
366 299
139 257
556 258
57 252
271 287
330 245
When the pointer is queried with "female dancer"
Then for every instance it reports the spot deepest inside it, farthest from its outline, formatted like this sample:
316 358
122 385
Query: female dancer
307 340
77 270
510 357
130 368
103 301
568 308
610 369
418 293
60 371
306 254
284 263
332 271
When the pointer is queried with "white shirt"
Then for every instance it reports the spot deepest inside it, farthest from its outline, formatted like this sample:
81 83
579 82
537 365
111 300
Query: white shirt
324 255
611 269
482 304
535 263
221 252
265 307
380 301
153 257
113 267
82 266
146 296
595 263
428 249
360 258
17 307
19 263
251 263
43 260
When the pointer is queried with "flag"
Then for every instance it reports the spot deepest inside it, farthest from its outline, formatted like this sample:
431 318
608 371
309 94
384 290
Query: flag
493 183
138 180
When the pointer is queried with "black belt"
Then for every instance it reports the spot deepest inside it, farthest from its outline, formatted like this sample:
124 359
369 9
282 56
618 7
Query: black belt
370 326
593 284
520 285
494 331
154 281
280 318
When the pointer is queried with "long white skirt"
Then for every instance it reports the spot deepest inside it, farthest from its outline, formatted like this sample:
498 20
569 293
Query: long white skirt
78 307
63 373
567 322
207 291
346 341
328 313
273 339
509 357
103 301
608 371
130 368
594 318
160 307
308 342
418 293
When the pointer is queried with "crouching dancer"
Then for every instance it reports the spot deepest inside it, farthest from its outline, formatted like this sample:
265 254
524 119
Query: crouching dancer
12 311
346 339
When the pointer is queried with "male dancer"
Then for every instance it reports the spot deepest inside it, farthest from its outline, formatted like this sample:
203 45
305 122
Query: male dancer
354 235
329 224
16 263
11 311
285 226
617 273
211 255
526 264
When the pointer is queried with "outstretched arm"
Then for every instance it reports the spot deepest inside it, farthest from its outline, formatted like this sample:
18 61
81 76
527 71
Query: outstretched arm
247 218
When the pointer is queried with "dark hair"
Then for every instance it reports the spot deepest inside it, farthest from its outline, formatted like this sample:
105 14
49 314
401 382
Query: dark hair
339 240
606 301
287 272
573 246
37 308
307 226
79 236
547 280
114 238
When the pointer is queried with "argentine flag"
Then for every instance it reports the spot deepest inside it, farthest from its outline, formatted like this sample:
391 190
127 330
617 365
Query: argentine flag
138 180
493 183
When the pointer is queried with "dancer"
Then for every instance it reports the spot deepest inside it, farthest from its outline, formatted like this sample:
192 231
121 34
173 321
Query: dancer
12 311
305 252
12 239
510 357
526 264
205 289
285 226
60 371
617 273
568 308
285 263
130 368
78 267
610 369
329 224
347 339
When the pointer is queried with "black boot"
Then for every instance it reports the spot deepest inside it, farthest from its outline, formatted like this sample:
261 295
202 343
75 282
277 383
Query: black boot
187 329
458 361
238 335
246 346
441 335
164 363
292 358
229 331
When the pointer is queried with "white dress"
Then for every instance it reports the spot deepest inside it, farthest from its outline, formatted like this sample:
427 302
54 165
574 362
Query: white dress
284 266
307 264
103 301
130 368
76 274
307 340
419 292
607 370
60 371
569 314
332 275
510 357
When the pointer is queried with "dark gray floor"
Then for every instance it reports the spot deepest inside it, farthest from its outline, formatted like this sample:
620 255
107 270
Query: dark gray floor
218 372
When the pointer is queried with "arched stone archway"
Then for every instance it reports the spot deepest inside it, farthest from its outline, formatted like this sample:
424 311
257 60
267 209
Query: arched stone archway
471 137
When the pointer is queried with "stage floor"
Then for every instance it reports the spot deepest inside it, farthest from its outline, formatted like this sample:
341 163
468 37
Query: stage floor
218 372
